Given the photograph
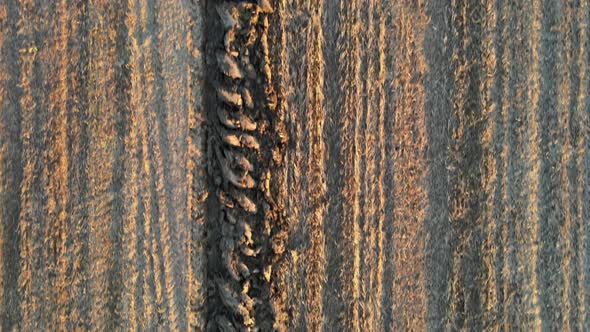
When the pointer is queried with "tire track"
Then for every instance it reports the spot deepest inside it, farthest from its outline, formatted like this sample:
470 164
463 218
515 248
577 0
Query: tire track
170 36
11 165
410 145
437 225
154 210
161 228
154 197
154 307
164 221
170 79
146 302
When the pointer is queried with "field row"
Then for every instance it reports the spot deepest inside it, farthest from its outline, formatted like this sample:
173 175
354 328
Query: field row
306 165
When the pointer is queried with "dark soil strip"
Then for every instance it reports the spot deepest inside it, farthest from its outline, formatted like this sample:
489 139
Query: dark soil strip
12 170
121 122
550 256
438 105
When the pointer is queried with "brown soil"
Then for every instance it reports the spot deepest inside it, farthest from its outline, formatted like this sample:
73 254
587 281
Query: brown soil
294 165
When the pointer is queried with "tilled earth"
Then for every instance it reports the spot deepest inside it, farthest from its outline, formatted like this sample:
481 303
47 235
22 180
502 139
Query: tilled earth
294 165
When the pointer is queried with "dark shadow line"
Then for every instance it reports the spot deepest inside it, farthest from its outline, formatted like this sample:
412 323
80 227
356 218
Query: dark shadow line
10 312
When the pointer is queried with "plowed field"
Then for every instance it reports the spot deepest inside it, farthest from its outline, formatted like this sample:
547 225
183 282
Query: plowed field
294 165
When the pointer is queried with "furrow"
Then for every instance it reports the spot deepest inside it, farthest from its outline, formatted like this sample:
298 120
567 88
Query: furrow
544 144
155 215
409 293
121 119
565 151
583 177
78 313
506 137
11 165
333 302
466 126
438 258
160 250
31 219
389 120
4 145
44 62
573 171
162 227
